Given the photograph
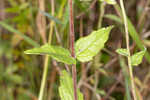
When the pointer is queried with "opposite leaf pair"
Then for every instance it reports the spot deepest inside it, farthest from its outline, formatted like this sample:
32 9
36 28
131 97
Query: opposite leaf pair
136 59
86 48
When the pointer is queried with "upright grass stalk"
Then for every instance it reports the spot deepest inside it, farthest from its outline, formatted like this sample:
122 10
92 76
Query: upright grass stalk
128 49
72 37
125 71
53 74
44 77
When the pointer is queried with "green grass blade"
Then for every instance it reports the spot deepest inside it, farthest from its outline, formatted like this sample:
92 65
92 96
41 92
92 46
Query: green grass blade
11 29
123 66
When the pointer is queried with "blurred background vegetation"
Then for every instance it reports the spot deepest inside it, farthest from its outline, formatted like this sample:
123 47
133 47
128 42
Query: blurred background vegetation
25 24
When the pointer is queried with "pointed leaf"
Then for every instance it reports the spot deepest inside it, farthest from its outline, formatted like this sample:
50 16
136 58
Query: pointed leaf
136 59
58 53
123 52
87 47
66 87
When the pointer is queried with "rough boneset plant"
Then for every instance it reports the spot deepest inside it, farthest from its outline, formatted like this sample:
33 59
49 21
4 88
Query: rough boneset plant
82 50
13 68
85 49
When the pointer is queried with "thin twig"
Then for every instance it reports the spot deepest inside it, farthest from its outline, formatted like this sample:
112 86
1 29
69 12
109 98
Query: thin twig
92 89
111 62
52 79
128 48
57 67
114 86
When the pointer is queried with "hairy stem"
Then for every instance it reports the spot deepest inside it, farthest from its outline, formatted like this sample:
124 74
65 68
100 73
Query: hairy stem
127 44
71 24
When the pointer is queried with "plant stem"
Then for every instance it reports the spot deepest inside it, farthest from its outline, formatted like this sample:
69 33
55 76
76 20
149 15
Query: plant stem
129 57
71 24
44 77
74 75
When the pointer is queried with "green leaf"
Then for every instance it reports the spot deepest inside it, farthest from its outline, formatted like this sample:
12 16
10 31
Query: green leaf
87 47
58 53
66 87
136 59
112 2
123 52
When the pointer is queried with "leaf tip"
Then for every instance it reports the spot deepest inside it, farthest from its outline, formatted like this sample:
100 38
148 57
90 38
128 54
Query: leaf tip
26 52
122 51
111 27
